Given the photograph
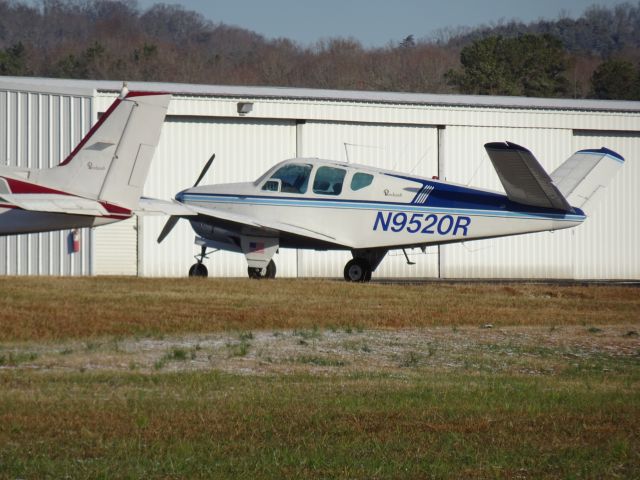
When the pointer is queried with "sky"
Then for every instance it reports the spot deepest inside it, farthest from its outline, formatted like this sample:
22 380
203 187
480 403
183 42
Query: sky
374 23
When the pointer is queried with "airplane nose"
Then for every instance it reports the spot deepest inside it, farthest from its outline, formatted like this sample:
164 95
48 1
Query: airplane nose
180 196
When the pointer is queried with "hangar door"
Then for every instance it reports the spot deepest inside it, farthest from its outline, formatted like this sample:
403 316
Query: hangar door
535 255
607 244
244 148
405 148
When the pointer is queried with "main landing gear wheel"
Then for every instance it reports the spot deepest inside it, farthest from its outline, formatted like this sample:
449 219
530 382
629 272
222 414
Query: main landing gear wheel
198 270
357 270
258 273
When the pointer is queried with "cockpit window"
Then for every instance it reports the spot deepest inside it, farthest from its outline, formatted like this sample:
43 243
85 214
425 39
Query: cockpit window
329 181
361 180
293 178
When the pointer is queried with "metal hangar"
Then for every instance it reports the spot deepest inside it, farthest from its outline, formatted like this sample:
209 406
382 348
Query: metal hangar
252 128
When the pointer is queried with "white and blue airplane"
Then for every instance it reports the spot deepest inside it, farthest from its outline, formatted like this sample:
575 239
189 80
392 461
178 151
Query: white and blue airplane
328 205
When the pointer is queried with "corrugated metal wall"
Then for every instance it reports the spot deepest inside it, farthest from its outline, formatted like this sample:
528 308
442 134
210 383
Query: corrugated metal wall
116 248
38 130
538 255
604 247
38 127
244 148
606 244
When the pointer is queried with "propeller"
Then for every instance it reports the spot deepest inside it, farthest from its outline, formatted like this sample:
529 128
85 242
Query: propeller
205 169
173 219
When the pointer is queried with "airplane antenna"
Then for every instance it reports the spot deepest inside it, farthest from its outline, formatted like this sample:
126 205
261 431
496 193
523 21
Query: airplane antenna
346 151
409 262
473 250
376 147
484 159
420 160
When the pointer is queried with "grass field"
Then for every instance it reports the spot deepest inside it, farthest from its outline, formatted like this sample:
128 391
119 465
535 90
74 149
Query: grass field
133 378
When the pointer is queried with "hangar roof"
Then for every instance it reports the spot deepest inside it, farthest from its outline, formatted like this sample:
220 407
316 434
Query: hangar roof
89 87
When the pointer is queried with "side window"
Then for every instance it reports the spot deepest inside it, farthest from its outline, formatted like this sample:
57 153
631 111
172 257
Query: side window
329 181
361 180
292 178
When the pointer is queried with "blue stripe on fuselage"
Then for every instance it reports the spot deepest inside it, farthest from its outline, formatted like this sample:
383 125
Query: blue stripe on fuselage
457 208
457 197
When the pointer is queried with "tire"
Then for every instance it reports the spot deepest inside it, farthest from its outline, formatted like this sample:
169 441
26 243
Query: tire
357 270
259 273
198 270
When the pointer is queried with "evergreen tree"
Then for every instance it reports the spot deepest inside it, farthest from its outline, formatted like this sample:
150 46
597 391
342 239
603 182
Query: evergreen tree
13 60
529 65
616 79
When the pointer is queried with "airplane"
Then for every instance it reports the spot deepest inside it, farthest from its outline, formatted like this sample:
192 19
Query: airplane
101 180
319 204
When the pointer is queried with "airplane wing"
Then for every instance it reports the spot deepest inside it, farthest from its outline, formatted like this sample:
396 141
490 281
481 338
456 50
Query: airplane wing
523 178
56 203
272 225
150 206
153 206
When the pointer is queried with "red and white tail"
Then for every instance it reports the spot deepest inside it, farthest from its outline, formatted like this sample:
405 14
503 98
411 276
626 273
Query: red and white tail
111 163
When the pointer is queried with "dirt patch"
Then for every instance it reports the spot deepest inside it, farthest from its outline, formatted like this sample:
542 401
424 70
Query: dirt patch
525 350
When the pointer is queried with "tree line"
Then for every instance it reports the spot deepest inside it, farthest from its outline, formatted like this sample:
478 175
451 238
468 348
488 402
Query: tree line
594 56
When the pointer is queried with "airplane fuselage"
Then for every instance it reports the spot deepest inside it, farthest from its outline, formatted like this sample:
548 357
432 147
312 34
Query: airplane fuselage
15 221
393 211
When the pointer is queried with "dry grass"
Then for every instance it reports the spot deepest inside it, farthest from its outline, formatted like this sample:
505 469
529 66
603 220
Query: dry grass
66 308
187 378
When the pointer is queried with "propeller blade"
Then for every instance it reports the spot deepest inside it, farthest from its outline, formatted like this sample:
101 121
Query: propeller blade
205 170
173 219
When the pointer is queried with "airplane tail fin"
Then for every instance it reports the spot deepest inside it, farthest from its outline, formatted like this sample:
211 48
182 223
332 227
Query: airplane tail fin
572 184
111 162
583 175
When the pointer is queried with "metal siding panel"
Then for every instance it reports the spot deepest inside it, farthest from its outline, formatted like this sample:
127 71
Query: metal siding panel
4 131
116 248
31 136
244 148
606 244
539 255
411 149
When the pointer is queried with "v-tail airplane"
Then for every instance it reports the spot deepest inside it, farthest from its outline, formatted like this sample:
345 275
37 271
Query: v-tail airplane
101 180
327 205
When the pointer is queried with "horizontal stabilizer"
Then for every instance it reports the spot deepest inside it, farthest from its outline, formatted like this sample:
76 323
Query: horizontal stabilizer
585 173
523 178
55 203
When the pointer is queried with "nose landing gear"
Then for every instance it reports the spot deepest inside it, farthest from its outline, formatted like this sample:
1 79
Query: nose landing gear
199 269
